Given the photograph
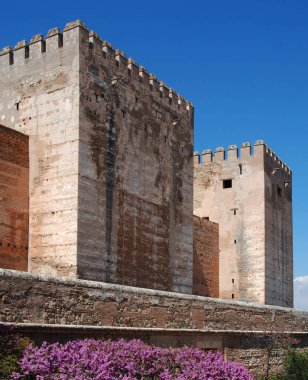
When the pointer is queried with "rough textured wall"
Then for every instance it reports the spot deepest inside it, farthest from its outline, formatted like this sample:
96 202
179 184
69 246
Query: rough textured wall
206 258
110 161
255 221
278 233
135 174
239 211
163 318
14 199
39 96
38 299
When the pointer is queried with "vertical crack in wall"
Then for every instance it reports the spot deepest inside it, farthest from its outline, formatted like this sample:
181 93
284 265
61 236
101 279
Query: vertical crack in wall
110 176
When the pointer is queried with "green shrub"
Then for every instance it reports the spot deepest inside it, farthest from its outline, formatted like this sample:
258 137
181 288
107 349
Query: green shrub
296 365
11 348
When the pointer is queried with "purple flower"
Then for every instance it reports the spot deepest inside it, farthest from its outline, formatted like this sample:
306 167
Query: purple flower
125 360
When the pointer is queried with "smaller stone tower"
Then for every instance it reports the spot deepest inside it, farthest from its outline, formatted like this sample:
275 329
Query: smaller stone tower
250 197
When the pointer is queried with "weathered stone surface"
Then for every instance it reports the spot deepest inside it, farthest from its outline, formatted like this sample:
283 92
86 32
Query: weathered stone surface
37 299
206 258
110 162
14 199
63 309
255 221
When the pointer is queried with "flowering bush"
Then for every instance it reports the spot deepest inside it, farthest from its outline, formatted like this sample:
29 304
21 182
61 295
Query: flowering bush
11 347
127 360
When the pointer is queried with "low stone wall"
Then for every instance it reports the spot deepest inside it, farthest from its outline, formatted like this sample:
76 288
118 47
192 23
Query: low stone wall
206 258
54 308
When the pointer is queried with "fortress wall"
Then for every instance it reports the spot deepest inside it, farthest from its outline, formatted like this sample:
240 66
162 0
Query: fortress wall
14 199
240 212
135 174
39 96
279 241
26 298
206 258
61 309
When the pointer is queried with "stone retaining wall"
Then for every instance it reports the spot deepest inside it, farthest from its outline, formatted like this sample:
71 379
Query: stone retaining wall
61 309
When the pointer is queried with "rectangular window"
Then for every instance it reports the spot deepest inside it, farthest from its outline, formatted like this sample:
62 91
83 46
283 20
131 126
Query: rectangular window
279 191
232 296
227 183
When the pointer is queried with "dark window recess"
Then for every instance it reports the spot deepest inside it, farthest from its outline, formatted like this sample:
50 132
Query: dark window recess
26 52
17 106
227 183
123 113
234 211
234 241
232 296
279 191
232 280
97 98
240 168
206 217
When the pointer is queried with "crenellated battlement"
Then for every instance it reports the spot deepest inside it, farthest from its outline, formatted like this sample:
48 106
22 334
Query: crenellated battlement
57 39
246 150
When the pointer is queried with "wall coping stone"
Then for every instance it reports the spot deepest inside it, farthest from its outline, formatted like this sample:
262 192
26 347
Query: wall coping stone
123 288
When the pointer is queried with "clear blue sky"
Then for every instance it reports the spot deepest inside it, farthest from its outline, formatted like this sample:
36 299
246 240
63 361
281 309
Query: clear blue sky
243 64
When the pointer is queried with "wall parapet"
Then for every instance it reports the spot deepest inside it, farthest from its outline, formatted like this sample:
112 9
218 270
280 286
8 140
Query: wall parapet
56 289
246 150
55 39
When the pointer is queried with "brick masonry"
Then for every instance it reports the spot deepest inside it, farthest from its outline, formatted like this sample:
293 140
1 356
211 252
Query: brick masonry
14 199
206 258
50 305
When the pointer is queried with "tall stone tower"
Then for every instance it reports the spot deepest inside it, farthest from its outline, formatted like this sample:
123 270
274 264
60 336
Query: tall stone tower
110 161
250 197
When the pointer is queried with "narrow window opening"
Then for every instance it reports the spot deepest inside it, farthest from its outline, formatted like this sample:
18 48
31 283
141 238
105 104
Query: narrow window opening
234 241
60 41
97 98
11 58
43 47
26 52
241 168
123 113
137 100
102 95
151 87
182 149
232 280
279 191
232 296
170 101
165 138
17 106
206 217
234 211
227 183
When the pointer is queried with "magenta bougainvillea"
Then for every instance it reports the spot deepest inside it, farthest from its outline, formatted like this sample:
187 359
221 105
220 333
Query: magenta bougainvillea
127 360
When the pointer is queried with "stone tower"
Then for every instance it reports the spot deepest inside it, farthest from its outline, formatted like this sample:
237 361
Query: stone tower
250 197
110 161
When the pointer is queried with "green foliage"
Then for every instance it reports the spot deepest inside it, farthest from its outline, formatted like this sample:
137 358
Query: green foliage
11 348
296 365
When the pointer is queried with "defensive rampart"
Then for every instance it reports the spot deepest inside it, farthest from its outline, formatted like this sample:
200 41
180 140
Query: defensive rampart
54 308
